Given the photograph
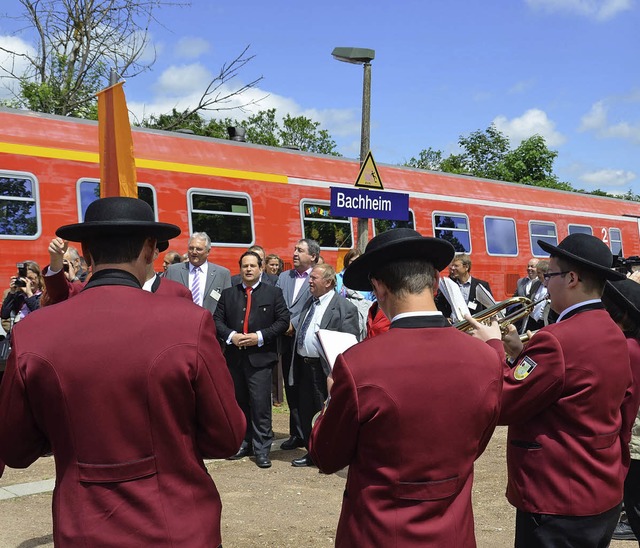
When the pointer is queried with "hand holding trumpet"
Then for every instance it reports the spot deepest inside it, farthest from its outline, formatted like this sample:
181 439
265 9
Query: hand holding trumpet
510 340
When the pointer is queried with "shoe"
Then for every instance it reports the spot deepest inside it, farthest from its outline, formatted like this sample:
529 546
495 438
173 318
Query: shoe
302 461
263 461
292 443
244 451
623 531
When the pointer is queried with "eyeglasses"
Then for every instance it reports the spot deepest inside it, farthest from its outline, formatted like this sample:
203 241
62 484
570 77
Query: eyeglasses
550 275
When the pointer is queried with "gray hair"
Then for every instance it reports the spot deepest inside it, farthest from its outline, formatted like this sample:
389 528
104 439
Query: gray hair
202 236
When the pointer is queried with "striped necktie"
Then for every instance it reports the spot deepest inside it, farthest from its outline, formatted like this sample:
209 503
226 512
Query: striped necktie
306 324
195 285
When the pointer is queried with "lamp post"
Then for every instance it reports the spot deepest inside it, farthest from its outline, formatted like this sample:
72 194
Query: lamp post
361 56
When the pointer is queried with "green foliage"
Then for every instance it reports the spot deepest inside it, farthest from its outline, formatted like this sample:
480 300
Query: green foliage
487 154
261 128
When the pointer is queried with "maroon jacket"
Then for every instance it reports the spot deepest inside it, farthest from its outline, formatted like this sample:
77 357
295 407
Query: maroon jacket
130 404
570 402
409 412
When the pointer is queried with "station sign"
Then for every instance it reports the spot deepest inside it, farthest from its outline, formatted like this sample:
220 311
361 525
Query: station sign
373 204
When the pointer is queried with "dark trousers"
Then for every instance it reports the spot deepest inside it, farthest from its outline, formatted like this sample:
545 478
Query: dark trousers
291 391
632 496
546 530
312 391
253 394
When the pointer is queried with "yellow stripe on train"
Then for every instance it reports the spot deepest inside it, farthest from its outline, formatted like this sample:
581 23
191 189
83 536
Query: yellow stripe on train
93 158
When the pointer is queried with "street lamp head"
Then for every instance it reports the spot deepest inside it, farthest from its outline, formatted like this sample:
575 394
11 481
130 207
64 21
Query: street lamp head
357 56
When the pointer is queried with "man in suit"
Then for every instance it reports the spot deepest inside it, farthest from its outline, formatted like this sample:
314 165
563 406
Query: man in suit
326 309
249 318
295 288
206 280
131 405
265 277
523 289
460 272
569 401
409 409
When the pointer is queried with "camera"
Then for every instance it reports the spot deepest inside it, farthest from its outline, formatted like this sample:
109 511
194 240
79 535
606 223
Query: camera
22 273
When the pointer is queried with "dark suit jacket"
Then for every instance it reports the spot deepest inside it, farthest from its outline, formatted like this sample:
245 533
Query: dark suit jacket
340 315
443 305
130 427
380 422
218 279
266 278
268 314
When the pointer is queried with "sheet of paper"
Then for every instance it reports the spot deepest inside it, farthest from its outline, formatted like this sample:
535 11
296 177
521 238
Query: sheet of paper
333 343
451 292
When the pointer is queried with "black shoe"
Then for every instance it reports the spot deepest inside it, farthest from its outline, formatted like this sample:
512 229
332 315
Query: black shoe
262 460
292 443
623 531
302 461
244 451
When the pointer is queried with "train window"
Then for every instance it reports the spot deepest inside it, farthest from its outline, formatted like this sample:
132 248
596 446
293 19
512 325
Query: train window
615 241
580 229
500 234
19 215
89 191
541 230
382 225
453 227
226 217
329 231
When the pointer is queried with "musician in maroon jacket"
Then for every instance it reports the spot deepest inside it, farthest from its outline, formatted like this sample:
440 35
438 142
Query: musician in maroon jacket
409 410
132 406
569 401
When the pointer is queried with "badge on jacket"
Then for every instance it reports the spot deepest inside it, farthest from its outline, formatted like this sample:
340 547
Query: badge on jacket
525 367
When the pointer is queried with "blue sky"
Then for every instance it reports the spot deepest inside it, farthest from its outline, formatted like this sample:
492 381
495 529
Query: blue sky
565 69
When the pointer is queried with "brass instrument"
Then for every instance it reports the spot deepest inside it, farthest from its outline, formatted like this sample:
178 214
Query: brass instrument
485 316
526 337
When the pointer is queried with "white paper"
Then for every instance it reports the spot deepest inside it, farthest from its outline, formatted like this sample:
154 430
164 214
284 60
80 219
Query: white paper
333 343
451 291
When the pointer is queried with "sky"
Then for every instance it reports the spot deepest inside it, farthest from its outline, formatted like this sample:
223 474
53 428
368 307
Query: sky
563 69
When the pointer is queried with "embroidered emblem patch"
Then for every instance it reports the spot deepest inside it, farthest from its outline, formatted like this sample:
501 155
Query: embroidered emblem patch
525 367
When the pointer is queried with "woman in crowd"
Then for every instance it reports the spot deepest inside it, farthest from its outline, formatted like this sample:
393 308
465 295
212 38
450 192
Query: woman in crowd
23 295
273 264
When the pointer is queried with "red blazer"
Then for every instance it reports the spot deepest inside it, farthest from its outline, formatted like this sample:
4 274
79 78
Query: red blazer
130 409
570 417
409 412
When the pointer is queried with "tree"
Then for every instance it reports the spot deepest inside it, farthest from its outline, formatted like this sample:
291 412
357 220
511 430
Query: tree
428 159
484 152
78 42
261 128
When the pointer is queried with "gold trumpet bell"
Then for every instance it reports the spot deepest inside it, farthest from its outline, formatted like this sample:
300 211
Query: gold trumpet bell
526 306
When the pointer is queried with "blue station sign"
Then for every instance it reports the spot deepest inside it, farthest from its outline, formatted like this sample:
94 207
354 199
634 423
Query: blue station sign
360 202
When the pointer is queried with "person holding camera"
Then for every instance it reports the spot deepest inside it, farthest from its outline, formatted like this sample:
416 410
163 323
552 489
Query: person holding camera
25 290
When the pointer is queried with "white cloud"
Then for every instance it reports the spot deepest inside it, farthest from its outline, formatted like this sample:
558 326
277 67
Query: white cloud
190 47
13 63
599 10
608 178
181 80
532 122
597 121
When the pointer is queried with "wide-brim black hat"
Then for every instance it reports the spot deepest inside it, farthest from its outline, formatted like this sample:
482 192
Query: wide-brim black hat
162 246
626 294
118 216
394 245
587 251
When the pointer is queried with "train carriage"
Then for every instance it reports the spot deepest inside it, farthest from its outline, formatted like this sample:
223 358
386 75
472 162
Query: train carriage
242 194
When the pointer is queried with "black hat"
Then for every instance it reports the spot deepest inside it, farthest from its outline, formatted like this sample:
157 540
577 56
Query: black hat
587 251
118 216
162 246
626 294
394 245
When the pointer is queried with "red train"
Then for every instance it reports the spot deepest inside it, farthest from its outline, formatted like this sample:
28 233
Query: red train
242 194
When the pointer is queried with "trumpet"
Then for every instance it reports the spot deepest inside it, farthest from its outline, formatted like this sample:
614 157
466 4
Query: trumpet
485 316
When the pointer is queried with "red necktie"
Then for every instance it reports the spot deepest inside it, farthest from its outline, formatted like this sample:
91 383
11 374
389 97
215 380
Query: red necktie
245 327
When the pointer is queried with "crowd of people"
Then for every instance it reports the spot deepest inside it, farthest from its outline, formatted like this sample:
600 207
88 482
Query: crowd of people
408 409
